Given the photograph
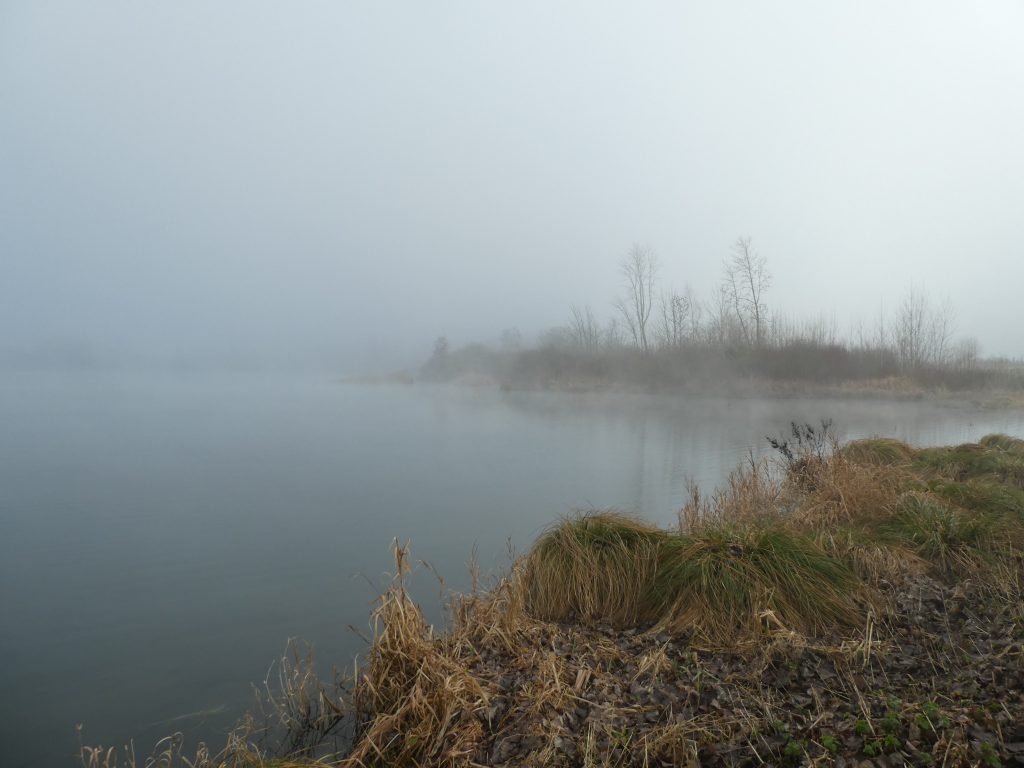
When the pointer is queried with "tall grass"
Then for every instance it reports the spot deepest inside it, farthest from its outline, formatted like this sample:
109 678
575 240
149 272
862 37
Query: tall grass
596 567
417 702
726 582
720 582
800 547
882 451
953 509
952 539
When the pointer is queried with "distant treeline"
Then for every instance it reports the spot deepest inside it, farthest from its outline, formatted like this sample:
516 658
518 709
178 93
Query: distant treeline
658 338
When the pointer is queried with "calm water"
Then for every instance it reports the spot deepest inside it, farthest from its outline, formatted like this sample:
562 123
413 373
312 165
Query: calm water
161 539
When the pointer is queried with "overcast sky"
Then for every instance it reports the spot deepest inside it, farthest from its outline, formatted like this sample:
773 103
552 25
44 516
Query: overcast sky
328 180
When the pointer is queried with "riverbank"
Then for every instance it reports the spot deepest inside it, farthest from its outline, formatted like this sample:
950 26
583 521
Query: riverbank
863 603
895 389
889 389
794 368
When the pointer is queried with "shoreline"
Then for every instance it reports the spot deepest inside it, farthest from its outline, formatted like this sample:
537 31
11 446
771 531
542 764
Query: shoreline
897 390
908 647
857 605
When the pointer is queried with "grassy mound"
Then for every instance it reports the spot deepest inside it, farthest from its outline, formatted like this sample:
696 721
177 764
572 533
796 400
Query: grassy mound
953 510
596 567
981 495
882 451
974 460
1003 443
727 581
721 582
803 550
951 539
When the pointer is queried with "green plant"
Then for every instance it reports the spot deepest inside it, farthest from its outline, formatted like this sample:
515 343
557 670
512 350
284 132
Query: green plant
931 717
942 535
890 723
989 756
725 579
793 749
597 566
830 743
880 451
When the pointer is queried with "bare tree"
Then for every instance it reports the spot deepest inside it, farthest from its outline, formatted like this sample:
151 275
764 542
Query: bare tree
909 332
695 315
966 354
746 280
613 338
922 334
586 334
940 332
673 320
722 327
639 269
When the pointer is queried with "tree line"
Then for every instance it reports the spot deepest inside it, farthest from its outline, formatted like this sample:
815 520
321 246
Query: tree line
654 336
649 318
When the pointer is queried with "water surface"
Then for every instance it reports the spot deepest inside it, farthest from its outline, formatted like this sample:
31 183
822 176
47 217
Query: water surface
162 538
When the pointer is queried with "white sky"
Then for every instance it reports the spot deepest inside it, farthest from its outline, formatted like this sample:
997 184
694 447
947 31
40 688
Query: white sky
298 180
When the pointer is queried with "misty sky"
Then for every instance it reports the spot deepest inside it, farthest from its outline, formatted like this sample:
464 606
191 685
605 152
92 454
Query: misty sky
344 181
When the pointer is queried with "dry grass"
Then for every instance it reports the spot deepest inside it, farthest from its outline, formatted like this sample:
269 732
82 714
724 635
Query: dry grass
720 581
873 561
732 582
954 541
752 493
596 567
417 702
883 451
841 491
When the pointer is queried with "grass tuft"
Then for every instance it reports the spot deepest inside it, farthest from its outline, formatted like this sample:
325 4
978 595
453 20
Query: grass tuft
727 582
417 704
594 567
973 460
720 582
981 495
949 538
880 451
1005 443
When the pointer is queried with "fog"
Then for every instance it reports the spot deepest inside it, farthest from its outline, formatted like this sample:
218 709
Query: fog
336 184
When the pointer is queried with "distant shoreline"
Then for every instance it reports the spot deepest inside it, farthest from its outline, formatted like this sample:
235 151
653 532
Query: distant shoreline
892 389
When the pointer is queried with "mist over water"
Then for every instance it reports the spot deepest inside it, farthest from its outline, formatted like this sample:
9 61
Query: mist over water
162 537
210 213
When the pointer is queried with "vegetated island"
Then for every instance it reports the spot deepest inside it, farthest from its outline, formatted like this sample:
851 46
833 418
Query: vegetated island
850 605
656 338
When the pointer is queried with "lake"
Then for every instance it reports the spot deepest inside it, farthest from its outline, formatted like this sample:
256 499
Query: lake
162 537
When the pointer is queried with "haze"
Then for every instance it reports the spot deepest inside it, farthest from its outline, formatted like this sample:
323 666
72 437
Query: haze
336 184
